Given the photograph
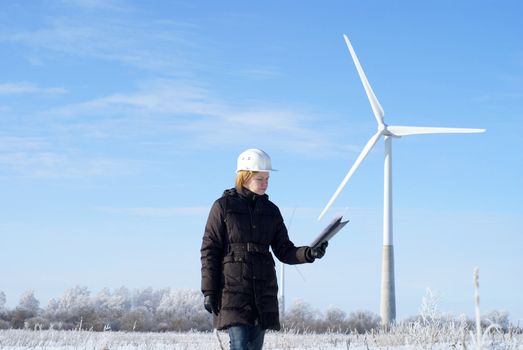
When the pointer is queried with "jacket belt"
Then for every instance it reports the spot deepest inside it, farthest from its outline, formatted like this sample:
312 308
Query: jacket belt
249 247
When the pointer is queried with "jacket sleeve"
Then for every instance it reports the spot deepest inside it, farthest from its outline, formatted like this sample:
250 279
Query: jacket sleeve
212 250
283 247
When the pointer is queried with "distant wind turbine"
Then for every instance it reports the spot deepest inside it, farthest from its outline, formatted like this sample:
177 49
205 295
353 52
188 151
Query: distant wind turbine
388 298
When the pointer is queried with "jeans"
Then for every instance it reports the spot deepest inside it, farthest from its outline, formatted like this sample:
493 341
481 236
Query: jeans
245 337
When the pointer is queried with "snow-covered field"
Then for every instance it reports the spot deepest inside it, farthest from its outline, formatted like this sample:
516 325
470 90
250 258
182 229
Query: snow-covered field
85 340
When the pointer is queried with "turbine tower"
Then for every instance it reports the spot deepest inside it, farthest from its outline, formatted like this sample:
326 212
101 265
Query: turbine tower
388 298
282 290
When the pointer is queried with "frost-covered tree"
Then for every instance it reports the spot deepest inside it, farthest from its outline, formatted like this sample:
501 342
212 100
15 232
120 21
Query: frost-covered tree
121 300
164 310
182 310
138 319
363 321
111 307
28 307
142 298
3 301
74 309
496 317
300 317
147 298
29 302
428 311
102 303
4 324
335 320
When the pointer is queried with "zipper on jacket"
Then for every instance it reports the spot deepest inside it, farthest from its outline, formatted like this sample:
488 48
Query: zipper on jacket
251 262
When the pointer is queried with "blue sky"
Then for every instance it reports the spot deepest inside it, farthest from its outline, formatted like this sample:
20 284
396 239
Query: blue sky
121 121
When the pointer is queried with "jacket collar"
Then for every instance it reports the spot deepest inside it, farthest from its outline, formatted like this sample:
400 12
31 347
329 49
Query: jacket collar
246 194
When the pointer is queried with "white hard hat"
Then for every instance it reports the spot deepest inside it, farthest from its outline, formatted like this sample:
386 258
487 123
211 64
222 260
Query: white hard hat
254 159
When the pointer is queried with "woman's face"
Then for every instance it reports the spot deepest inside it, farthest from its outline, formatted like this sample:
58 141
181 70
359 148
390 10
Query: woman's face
258 183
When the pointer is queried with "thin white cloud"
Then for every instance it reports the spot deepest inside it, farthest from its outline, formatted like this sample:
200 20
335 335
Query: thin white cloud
28 88
156 45
17 143
59 165
499 97
169 108
158 97
95 4
120 31
37 157
260 73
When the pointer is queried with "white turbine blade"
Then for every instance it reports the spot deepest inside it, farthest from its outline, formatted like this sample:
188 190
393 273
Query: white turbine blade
368 147
417 130
374 103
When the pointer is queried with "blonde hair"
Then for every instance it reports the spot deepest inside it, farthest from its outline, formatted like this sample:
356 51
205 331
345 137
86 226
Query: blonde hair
242 177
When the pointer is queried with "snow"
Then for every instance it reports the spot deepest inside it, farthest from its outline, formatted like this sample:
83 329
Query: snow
80 340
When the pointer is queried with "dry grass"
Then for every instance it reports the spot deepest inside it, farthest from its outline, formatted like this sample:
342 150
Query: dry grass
412 336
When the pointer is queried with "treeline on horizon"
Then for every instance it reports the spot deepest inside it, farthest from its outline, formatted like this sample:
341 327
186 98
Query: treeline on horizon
181 310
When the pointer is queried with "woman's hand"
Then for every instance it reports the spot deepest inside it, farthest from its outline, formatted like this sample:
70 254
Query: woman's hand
319 251
210 302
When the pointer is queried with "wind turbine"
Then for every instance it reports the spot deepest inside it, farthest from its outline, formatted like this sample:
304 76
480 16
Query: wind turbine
388 298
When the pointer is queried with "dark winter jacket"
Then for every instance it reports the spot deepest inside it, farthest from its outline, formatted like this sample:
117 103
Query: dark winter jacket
237 266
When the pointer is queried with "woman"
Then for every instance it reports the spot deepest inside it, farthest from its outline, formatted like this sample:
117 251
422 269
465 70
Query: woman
238 274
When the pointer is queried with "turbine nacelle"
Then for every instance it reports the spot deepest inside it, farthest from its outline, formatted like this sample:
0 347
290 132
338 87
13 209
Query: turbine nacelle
383 129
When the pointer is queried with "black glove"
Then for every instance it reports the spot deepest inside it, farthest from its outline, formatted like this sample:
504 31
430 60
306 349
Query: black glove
210 302
319 251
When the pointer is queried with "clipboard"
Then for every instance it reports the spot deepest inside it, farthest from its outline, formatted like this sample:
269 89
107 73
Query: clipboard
329 231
